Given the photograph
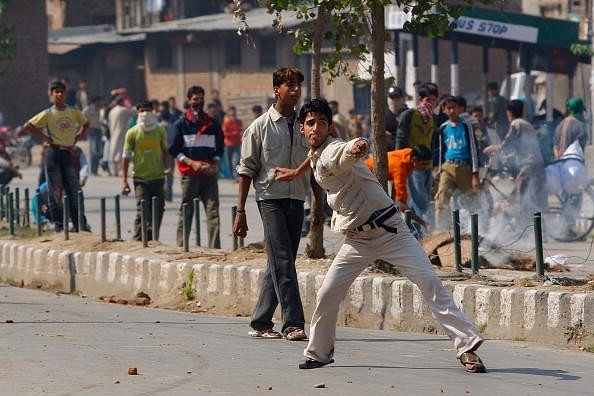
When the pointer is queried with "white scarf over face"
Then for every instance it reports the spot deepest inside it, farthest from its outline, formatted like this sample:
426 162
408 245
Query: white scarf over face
147 121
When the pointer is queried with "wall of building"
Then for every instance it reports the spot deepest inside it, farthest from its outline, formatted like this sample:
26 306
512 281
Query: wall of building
24 81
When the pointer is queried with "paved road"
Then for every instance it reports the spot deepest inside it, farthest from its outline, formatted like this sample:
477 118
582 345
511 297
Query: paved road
65 345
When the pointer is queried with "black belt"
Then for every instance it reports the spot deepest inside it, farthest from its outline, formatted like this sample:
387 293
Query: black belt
379 221
458 162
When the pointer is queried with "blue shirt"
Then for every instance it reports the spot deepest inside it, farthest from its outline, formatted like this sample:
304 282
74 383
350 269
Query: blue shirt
456 142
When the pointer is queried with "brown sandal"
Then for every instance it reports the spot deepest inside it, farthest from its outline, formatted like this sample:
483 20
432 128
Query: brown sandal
471 358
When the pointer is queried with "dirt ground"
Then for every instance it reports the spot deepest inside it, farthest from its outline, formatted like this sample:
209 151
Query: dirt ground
521 275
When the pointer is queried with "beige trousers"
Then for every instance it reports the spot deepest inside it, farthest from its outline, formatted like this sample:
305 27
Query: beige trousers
404 252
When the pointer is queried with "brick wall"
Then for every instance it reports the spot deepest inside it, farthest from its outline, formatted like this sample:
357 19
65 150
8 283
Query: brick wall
24 83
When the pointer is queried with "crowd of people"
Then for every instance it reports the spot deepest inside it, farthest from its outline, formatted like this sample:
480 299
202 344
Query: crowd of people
286 154
462 141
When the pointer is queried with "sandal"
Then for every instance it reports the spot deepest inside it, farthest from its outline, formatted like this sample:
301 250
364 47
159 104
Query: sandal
267 333
312 364
296 335
472 359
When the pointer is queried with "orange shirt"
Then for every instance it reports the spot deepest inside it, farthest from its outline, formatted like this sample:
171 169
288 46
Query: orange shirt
232 129
399 169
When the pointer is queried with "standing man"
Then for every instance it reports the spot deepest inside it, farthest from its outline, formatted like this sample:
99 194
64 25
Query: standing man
339 121
64 125
417 126
145 145
373 230
119 117
272 141
496 110
521 148
197 144
232 129
92 113
396 102
459 159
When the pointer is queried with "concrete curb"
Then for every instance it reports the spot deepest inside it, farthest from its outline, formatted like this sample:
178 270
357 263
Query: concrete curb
555 317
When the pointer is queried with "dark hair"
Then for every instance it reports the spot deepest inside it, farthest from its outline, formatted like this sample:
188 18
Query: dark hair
194 90
333 103
516 107
477 108
96 98
428 89
144 103
493 85
164 104
257 108
315 106
56 84
422 152
448 98
286 74
461 101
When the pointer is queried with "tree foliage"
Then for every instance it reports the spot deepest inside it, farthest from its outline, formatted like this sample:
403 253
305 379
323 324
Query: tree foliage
7 40
348 30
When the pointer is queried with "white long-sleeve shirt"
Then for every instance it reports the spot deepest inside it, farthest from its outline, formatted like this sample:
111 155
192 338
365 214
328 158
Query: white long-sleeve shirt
354 193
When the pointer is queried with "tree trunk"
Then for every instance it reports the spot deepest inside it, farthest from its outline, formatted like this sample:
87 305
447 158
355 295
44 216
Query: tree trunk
378 116
315 247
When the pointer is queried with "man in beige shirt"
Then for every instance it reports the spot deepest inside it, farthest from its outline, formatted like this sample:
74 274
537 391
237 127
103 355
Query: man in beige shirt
373 230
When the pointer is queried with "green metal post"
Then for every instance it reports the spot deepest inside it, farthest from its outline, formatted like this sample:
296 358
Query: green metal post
27 214
143 222
155 218
457 242
17 206
185 226
11 213
538 244
196 207
117 218
65 216
103 221
475 243
80 206
38 214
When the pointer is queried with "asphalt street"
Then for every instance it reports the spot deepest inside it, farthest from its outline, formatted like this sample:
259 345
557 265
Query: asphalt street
66 345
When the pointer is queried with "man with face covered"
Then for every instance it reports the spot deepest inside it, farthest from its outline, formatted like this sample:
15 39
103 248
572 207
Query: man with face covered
146 145
197 144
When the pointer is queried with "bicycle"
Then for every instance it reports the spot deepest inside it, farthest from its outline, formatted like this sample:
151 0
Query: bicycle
566 218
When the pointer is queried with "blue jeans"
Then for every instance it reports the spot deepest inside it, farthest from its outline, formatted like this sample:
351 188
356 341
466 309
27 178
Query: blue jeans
232 154
419 185
95 148
282 220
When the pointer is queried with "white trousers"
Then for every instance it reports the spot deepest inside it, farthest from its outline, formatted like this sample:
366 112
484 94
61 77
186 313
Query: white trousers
404 252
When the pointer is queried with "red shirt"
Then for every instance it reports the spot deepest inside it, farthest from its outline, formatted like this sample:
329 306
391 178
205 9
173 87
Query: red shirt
399 169
232 129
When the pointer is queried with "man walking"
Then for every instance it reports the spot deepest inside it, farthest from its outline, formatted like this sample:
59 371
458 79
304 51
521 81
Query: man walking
269 142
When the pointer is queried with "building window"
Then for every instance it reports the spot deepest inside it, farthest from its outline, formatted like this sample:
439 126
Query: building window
267 52
163 55
233 52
